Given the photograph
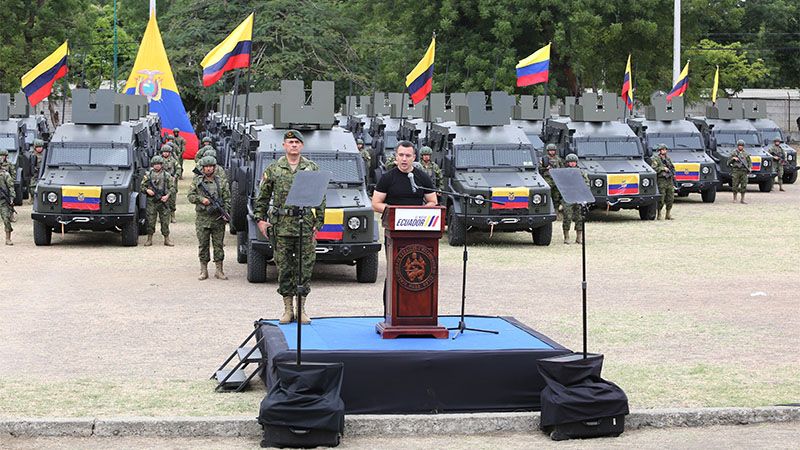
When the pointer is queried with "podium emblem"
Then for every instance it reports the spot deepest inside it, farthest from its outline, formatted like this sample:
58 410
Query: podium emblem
415 270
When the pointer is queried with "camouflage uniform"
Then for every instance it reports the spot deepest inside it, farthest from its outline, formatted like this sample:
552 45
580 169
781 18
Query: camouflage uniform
665 176
555 163
161 182
779 156
171 167
206 145
36 159
431 168
739 169
572 211
364 153
7 186
390 163
275 184
220 172
181 143
209 225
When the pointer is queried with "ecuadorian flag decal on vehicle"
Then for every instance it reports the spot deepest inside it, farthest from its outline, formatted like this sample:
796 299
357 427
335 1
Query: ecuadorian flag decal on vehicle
687 171
623 184
333 227
512 197
84 198
755 163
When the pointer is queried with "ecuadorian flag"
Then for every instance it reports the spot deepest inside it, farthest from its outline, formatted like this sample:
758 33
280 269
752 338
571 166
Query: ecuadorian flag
513 197
84 198
420 80
151 76
333 226
623 184
755 163
232 53
38 82
680 86
535 68
627 86
687 171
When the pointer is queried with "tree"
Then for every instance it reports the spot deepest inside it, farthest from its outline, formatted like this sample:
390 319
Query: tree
736 69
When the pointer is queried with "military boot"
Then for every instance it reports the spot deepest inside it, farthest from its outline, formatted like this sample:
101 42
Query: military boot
219 274
8 238
13 217
566 237
203 271
734 196
303 317
168 241
579 237
742 200
172 219
149 240
669 213
288 311
658 215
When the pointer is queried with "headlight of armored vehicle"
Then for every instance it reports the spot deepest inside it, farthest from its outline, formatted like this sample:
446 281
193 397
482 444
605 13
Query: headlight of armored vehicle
645 182
354 223
479 199
111 198
766 162
52 197
598 182
789 157
706 170
537 199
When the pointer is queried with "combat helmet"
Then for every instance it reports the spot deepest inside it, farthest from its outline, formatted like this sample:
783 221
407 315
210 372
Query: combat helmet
425 151
157 159
208 161
3 152
740 142
551 147
166 148
38 143
572 157
662 147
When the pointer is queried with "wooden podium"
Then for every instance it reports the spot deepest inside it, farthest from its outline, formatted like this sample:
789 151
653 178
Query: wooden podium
412 272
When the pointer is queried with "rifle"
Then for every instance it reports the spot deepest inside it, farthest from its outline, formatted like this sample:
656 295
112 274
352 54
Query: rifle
742 164
546 163
5 195
159 193
215 205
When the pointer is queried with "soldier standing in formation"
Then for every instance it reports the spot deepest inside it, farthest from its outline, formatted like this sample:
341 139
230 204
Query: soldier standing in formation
220 171
779 156
572 211
209 224
551 161
36 159
171 167
739 162
7 190
364 153
199 154
11 169
431 168
275 185
665 174
181 143
159 185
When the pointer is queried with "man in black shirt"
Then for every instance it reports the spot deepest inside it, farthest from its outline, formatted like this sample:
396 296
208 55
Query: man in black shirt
394 187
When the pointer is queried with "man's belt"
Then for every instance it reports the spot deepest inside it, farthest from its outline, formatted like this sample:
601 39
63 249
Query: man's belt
289 212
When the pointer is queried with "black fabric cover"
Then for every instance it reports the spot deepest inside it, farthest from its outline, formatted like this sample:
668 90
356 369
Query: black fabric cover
305 397
575 390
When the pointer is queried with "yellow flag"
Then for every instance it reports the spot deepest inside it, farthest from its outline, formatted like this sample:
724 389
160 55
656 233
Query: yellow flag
716 86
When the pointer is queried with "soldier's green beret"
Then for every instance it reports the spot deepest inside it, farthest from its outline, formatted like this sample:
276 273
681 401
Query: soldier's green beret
176 130
360 141
210 152
572 157
740 142
662 147
551 147
425 151
293 134
206 140
38 143
208 161
156 160
3 152
166 148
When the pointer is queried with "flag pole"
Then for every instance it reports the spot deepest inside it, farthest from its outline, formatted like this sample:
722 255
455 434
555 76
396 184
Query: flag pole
233 99
247 95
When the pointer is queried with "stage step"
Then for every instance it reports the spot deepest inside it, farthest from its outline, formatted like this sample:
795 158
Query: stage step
234 381
254 357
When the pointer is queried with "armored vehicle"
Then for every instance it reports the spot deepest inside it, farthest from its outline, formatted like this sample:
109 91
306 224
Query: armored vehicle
36 126
608 151
664 123
92 172
350 235
529 116
756 112
483 155
12 138
721 128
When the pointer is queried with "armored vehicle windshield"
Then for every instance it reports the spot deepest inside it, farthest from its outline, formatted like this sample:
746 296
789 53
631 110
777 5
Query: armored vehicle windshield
88 155
607 147
729 137
674 141
494 156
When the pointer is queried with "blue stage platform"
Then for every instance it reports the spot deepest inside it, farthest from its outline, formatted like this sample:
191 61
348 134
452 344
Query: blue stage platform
475 372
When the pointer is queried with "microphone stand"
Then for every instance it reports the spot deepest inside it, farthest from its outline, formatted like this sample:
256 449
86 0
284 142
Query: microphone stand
462 323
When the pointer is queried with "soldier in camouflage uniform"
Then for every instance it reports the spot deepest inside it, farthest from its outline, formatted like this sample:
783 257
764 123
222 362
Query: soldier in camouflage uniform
209 151
572 212
210 225
665 176
171 167
201 151
159 185
7 203
553 161
430 167
739 162
275 185
6 165
364 153
779 156
178 154
390 162
36 159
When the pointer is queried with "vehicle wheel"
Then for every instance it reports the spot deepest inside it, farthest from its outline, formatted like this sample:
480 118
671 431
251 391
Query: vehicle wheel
790 178
766 185
238 209
42 234
648 212
367 268
543 235
142 222
456 232
709 195
241 247
256 265
130 233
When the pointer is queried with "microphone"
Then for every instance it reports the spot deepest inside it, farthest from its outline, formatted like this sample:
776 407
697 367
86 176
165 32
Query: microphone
413 184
